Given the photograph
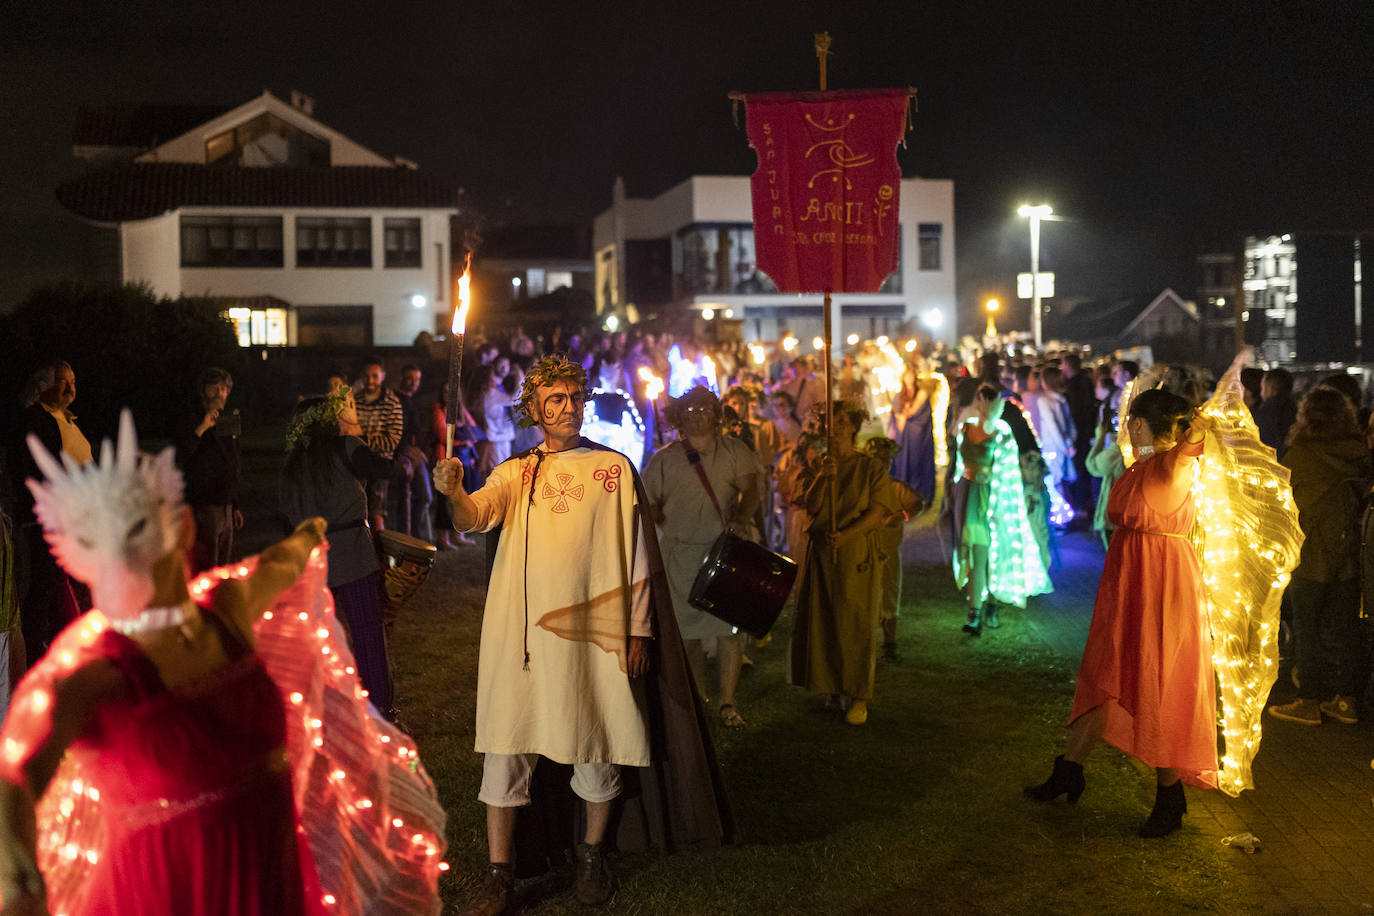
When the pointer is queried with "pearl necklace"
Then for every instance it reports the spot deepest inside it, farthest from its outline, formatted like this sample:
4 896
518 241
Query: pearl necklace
153 618
1145 451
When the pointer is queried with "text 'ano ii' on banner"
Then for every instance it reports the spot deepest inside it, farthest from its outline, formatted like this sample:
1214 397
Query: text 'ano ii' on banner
827 189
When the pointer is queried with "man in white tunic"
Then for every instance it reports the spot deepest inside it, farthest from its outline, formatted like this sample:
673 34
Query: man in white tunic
568 623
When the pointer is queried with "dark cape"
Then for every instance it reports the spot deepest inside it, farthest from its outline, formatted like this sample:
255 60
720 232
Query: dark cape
679 800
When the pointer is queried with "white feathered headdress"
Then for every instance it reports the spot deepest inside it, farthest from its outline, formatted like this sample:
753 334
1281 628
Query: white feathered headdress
109 521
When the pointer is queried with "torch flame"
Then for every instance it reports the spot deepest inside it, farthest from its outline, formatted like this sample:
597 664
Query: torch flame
460 314
653 384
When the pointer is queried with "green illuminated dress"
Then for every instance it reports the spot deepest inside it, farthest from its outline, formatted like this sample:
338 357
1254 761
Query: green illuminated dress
833 642
990 511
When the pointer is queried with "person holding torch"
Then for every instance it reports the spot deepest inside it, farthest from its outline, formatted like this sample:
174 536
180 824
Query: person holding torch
581 660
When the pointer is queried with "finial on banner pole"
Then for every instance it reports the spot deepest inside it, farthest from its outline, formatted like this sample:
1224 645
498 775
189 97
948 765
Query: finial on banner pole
822 52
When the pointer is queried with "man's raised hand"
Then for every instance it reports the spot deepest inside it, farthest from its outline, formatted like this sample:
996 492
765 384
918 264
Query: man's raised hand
448 476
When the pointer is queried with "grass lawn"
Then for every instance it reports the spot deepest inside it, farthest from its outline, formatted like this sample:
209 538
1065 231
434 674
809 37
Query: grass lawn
918 811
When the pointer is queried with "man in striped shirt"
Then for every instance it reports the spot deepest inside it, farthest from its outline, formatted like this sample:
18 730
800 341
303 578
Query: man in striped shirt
382 419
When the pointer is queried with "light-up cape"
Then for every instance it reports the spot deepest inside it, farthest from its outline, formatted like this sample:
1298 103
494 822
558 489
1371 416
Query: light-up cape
1015 570
369 810
1248 540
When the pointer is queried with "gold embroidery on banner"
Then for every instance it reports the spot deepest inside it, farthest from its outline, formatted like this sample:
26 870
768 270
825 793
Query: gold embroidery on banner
882 205
841 155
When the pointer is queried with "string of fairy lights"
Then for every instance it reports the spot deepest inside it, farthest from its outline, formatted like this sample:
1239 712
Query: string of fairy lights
1015 568
1248 540
351 770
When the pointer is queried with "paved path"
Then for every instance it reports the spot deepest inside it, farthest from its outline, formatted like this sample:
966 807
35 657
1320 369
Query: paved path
1313 810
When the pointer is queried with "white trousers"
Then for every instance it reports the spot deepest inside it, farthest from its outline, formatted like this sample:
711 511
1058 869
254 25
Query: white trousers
506 780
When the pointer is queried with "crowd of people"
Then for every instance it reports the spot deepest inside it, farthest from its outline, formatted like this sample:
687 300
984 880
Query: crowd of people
598 551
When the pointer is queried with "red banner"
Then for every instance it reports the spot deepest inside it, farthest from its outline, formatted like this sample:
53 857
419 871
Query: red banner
827 187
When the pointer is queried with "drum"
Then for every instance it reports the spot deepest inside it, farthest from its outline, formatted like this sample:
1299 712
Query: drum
744 584
409 562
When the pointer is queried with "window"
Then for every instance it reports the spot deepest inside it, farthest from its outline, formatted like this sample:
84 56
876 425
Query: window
267 141
718 258
259 327
558 279
333 241
534 282
402 240
928 246
231 241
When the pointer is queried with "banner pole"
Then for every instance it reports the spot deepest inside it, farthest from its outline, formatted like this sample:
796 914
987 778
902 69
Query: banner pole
822 52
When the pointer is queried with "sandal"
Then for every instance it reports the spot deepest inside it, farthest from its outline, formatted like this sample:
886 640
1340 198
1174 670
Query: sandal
730 717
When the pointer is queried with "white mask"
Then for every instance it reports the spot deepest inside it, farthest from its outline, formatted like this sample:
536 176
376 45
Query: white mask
110 521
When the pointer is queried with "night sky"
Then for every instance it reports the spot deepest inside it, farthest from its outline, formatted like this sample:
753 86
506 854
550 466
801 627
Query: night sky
1159 130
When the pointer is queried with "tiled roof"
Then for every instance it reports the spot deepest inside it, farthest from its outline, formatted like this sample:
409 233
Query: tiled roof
139 126
141 190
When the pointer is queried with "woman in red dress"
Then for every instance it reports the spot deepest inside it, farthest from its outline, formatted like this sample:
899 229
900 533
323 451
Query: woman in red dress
199 747
1146 681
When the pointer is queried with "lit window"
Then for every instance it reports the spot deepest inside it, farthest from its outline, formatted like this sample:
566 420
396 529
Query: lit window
535 281
258 327
241 318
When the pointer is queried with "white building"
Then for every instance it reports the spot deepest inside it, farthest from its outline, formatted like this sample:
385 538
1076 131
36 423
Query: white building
692 249
302 235
1271 296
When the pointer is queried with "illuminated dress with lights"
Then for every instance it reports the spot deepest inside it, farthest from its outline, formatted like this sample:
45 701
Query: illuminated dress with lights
267 786
1167 625
990 510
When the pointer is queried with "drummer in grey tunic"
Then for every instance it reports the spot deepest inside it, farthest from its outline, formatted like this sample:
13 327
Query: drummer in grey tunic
698 485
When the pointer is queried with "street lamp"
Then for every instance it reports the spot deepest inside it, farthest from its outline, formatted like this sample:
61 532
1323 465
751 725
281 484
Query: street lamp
1036 214
992 307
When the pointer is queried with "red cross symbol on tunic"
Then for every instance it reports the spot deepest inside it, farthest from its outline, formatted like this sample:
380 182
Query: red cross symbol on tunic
561 493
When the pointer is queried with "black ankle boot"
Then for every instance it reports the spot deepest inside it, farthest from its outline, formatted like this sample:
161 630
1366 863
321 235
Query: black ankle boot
1167 815
974 626
1067 779
990 618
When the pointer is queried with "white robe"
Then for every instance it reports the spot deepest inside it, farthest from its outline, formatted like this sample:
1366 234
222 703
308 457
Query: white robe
582 566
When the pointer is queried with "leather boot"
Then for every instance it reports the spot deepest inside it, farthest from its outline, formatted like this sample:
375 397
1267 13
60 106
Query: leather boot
990 618
496 894
593 884
1067 779
974 627
1167 815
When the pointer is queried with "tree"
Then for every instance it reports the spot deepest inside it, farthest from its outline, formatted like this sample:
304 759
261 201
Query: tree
128 348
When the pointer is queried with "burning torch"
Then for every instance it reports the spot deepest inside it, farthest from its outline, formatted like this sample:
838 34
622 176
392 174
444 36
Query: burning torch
455 352
653 388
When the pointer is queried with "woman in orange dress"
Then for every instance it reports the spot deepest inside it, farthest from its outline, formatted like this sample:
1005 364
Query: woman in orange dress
1146 681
